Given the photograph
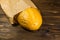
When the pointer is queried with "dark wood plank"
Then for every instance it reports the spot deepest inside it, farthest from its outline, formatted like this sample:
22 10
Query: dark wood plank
50 29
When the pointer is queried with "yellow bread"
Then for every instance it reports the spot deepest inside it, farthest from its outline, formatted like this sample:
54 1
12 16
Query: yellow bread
30 19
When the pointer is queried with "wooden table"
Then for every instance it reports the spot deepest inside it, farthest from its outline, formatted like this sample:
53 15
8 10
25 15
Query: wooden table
50 29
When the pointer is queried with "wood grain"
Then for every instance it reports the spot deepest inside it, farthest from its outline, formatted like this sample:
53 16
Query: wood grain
50 29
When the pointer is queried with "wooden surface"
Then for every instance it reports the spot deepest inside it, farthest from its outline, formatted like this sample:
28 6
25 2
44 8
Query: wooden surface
50 29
